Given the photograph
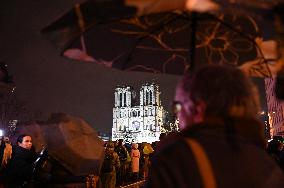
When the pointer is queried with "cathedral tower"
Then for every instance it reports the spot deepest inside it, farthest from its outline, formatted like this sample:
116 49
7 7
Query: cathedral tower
137 123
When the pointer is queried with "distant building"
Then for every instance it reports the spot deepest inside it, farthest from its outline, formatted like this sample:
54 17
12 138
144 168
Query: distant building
275 109
136 121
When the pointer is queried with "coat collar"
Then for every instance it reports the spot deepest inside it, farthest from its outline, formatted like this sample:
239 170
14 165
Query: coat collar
246 129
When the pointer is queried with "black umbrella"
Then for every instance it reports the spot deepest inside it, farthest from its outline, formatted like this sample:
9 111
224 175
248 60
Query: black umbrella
167 41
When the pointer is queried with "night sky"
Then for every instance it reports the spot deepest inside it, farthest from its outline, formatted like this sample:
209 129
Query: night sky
49 83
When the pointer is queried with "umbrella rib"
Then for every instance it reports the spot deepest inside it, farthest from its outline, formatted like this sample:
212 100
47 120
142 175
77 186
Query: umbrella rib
193 41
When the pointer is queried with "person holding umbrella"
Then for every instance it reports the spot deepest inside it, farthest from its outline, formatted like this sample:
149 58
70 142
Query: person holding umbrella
19 170
221 143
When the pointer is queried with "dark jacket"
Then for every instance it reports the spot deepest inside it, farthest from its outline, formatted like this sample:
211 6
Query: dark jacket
235 148
20 167
2 148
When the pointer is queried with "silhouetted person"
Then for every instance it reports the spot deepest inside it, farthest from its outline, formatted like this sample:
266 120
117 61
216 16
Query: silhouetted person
122 153
110 165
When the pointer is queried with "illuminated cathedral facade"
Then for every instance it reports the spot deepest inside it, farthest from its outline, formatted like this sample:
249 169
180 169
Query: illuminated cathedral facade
137 121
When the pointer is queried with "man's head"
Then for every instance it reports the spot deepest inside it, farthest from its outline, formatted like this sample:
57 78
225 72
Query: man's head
215 91
120 142
110 145
25 141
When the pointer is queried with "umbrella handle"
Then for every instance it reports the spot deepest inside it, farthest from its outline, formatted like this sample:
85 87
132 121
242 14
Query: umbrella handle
39 162
193 41
81 24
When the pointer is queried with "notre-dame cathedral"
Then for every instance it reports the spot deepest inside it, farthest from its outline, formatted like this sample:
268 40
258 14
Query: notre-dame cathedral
138 121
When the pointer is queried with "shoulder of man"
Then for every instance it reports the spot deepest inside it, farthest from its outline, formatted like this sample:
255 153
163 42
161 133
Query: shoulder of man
169 140
166 158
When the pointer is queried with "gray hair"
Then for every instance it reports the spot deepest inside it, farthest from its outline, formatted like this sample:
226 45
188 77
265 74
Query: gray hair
227 91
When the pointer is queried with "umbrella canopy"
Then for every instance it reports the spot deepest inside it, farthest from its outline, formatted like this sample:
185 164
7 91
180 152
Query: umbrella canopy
74 143
167 37
69 140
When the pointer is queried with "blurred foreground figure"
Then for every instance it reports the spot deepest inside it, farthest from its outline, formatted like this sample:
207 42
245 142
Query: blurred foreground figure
221 143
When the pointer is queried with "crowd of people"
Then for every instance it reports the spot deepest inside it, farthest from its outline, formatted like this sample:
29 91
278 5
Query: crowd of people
125 163
221 142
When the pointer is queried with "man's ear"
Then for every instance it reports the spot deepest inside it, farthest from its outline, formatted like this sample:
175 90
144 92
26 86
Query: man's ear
200 108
